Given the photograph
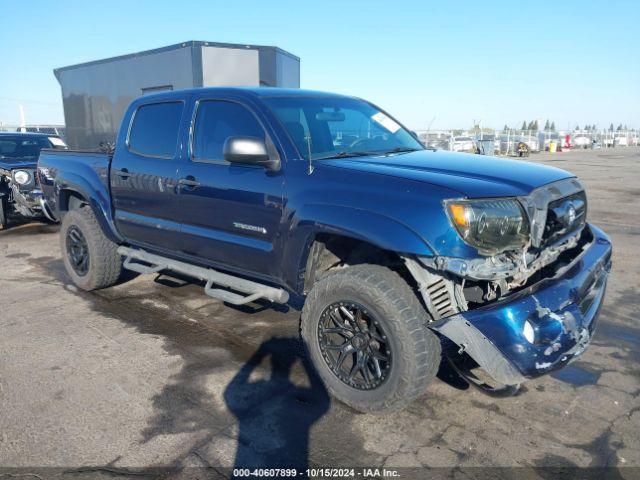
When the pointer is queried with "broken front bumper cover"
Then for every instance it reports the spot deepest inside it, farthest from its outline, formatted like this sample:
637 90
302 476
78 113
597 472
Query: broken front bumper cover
561 311
27 202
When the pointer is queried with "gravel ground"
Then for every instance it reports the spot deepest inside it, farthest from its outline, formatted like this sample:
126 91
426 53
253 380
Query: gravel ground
154 373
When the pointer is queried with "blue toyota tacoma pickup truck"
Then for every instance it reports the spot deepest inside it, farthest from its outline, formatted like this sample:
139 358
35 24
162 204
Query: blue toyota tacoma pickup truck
397 255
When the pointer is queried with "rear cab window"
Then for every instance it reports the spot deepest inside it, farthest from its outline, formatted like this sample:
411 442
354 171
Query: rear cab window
155 129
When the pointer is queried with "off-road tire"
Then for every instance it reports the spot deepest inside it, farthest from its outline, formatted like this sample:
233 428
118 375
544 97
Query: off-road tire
416 349
105 264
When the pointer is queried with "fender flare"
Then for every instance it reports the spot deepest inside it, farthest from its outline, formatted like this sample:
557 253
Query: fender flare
97 198
380 230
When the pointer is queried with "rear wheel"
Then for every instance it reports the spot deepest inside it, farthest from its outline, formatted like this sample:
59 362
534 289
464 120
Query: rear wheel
90 258
364 330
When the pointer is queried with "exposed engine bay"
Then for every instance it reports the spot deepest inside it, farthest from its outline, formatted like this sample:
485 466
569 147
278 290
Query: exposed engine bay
558 233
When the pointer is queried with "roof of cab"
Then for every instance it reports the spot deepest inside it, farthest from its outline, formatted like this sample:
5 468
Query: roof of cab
261 92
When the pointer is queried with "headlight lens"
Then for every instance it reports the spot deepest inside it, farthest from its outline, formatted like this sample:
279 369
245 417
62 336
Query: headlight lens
21 177
492 225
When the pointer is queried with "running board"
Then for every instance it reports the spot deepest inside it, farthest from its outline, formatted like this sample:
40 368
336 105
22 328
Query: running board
252 291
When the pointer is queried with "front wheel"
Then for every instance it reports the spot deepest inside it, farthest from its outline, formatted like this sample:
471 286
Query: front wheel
363 328
90 258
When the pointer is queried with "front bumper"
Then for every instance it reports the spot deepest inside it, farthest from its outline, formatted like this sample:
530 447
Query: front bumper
561 311
27 202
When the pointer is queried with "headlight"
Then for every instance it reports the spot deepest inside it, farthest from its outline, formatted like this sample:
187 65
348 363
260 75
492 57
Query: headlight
21 177
492 225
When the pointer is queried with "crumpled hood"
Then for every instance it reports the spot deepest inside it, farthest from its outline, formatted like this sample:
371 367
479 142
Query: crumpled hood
473 176
11 163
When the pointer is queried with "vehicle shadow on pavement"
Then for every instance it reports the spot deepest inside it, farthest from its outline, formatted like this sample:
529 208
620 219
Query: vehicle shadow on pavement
275 414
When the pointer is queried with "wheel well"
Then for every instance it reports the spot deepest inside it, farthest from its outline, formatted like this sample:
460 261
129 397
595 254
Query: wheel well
329 252
70 200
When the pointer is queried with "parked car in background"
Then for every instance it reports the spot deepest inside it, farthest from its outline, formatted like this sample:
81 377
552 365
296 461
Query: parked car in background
20 192
581 140
436 140
463 144
620 140
395 253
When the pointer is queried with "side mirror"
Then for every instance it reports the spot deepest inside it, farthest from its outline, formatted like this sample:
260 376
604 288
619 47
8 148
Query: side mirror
250 151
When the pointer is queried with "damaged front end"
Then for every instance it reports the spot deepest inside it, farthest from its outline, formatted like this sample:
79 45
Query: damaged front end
23 196
521 313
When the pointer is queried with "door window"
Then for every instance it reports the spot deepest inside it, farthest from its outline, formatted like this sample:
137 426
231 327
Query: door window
154 132
215 122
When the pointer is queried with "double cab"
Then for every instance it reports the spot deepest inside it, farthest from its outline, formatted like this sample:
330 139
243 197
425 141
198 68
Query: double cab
397 255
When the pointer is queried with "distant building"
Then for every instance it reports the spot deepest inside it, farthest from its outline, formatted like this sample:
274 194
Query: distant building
96 94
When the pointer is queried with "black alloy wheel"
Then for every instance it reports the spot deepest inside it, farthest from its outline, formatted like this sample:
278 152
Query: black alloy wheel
354 345
77 251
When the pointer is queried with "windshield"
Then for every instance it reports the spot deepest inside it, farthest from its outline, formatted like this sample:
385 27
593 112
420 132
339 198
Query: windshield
337 127
21 146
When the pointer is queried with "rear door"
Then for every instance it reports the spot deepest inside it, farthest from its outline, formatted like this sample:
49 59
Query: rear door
230 213
144 176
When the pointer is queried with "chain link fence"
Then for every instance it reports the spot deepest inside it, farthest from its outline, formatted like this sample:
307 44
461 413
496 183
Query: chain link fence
58 130
506 142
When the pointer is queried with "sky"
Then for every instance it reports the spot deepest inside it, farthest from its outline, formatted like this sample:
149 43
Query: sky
431 64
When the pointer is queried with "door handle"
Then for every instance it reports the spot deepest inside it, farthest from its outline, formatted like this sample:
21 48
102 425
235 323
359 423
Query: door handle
123 173
188 182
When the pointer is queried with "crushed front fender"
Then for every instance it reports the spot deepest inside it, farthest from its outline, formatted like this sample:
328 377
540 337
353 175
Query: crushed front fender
540 328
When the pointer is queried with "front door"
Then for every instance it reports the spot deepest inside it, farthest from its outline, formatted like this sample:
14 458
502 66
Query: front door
144 177
230 213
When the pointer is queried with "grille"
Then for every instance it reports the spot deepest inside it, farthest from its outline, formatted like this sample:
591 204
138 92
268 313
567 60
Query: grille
565 216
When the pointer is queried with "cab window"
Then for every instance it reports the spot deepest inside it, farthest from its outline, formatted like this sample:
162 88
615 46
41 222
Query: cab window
217 120
154 132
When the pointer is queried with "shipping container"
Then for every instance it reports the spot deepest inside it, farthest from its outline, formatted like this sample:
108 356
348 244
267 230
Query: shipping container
96 94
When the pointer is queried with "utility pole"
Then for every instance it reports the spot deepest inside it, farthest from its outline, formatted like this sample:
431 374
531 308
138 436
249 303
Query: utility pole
23 124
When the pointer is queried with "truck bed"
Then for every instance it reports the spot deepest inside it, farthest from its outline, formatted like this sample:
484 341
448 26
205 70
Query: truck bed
85 172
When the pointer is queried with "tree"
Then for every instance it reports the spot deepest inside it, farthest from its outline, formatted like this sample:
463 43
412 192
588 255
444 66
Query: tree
524 126
553 126
619 127
577 128
505 129
611 127
535 125
546 125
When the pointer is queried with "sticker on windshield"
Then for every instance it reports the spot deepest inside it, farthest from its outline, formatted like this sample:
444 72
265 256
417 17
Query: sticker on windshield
56 142
388 123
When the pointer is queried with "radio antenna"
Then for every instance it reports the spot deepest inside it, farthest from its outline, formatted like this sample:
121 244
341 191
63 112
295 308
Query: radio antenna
308 140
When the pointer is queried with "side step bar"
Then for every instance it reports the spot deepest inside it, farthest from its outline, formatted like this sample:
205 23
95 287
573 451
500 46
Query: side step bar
252 290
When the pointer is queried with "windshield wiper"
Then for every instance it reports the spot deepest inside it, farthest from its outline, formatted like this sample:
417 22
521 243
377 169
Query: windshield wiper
346 154
401 150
